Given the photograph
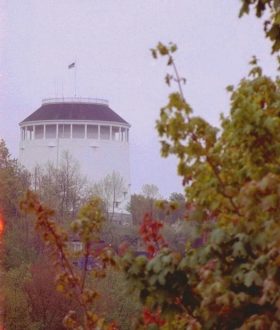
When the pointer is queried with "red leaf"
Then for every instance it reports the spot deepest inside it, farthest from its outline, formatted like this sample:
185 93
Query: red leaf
150 233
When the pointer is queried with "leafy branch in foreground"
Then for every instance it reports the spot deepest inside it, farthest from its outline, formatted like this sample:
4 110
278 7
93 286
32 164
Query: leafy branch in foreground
272 24
232 182
71 280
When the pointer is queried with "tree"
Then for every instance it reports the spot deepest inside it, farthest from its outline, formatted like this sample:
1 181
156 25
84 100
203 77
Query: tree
179 212
22 244
62 188
47 307
112 191
70 280
232 280
139 205
272 24
16 313
116 234
14 182
150 191
115 302
232 181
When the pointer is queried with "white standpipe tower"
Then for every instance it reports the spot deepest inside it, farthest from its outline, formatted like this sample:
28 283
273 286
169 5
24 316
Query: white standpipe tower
87 128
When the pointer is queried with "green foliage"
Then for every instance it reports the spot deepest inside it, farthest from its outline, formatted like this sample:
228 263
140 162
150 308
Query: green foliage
232 180
22 244
89 221
219 169
71 281
140 205
116 302
16 301
115 234
149 201
271 25
14 182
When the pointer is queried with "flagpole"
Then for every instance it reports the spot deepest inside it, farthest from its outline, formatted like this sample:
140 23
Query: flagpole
62 89
76 64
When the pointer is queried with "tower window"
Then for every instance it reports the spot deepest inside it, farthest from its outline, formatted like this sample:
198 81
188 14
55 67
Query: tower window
29 133
92 131
50 131
22 133
116 136
64 131
39 132
78 131
123 136
104 132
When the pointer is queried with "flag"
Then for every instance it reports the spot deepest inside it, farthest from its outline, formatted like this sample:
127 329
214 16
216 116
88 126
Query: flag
72 65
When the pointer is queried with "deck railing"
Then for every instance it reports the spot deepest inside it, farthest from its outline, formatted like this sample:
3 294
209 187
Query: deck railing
87 100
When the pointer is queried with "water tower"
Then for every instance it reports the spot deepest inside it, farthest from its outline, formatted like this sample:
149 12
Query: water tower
87 128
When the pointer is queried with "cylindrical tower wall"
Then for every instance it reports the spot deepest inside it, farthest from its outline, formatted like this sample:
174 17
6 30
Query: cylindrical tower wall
97 156
100 146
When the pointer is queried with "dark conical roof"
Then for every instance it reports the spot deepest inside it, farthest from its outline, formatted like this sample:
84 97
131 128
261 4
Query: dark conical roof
75 111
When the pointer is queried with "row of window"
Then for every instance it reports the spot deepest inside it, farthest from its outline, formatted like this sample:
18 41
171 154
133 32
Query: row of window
75 131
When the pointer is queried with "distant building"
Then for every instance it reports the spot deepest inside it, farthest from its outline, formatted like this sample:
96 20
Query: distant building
87 128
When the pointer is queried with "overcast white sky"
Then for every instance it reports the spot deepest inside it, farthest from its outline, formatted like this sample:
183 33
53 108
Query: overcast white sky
111 41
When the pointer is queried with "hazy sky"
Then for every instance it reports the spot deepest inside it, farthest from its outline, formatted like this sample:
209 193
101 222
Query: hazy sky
111 40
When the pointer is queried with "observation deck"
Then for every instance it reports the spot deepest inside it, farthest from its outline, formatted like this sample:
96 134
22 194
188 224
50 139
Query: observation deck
79 100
